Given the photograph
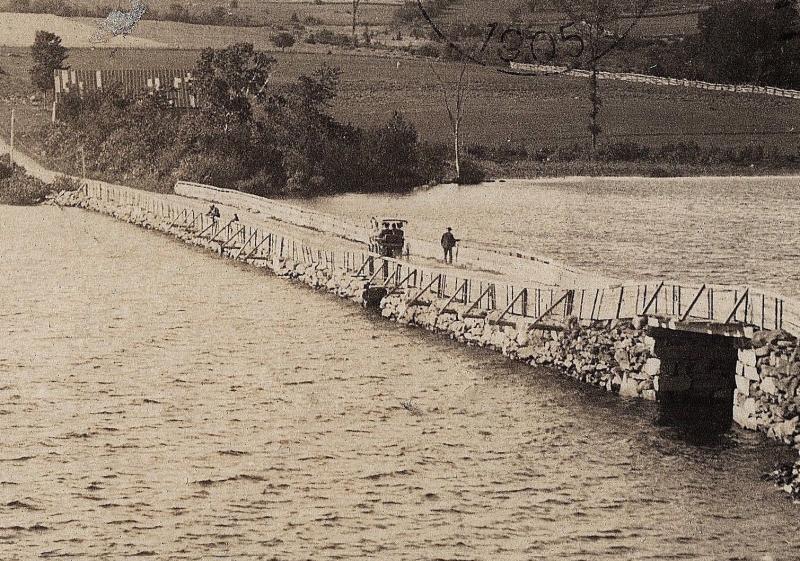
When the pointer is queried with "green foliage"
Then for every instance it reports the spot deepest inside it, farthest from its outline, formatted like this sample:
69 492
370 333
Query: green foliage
229 80
283 40
751 41
471 173
432 160
65 183
392 155
19 188
48 55
625 152
328 37
268 143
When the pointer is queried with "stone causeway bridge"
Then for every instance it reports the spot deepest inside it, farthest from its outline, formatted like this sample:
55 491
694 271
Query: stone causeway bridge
717 353
553 290
705 348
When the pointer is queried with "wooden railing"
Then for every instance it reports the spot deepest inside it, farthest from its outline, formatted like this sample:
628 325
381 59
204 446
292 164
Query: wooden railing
715 304
542 270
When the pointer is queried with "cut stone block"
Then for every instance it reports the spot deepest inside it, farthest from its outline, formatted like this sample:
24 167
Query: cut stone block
743 385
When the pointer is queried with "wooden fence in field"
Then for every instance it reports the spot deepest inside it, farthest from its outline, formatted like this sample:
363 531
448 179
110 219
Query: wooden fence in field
174 84
656 80
714 308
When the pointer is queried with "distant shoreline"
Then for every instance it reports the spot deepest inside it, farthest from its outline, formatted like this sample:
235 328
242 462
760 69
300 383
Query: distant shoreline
583 178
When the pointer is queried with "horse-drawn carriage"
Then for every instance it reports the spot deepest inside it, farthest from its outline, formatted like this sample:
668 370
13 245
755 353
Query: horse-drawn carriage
387 237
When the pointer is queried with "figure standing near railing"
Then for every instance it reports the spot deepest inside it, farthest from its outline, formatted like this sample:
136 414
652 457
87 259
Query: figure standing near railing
448 243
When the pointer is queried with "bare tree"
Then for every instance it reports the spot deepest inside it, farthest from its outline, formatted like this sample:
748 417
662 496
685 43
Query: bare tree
455 110
356 4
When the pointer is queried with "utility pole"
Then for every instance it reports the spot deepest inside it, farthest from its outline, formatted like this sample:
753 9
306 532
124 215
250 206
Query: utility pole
11 150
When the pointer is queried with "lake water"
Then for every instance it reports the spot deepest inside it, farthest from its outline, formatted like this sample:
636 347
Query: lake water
160 402
724 231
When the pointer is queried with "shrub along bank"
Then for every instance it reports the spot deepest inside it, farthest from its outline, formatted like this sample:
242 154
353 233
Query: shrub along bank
19 188
630 158
245 135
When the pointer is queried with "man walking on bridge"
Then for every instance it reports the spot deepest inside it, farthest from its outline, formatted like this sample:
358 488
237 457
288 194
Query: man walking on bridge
448 243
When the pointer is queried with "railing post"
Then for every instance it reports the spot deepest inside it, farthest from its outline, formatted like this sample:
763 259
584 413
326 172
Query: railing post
685 314
651 301
741 299
525 302
566 296
422 291
511 305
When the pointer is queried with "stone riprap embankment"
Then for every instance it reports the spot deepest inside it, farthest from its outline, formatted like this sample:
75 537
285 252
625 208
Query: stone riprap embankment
768 386
615 355
316 275
619 356
610 354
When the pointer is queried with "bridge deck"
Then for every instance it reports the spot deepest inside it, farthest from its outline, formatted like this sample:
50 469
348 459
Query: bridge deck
713 309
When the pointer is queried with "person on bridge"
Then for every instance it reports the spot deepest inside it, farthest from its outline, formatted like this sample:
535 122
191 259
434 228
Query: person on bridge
448 243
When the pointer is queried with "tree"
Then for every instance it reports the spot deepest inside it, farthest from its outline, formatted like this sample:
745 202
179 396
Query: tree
393 155
229 81
751 41
455 110
590 23
314 145
356 4
283 40
20 6
48 55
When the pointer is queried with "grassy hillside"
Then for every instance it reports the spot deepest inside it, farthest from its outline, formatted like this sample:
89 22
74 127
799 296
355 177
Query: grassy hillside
502 109
661 17
263 12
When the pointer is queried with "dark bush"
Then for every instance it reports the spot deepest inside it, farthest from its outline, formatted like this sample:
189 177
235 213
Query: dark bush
65 183
750 154
429 49
680 152
5 171
625 152
507 152
19 188
541 153
478 151
432 162
570 153
471 173
283 40
328 37
391 151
